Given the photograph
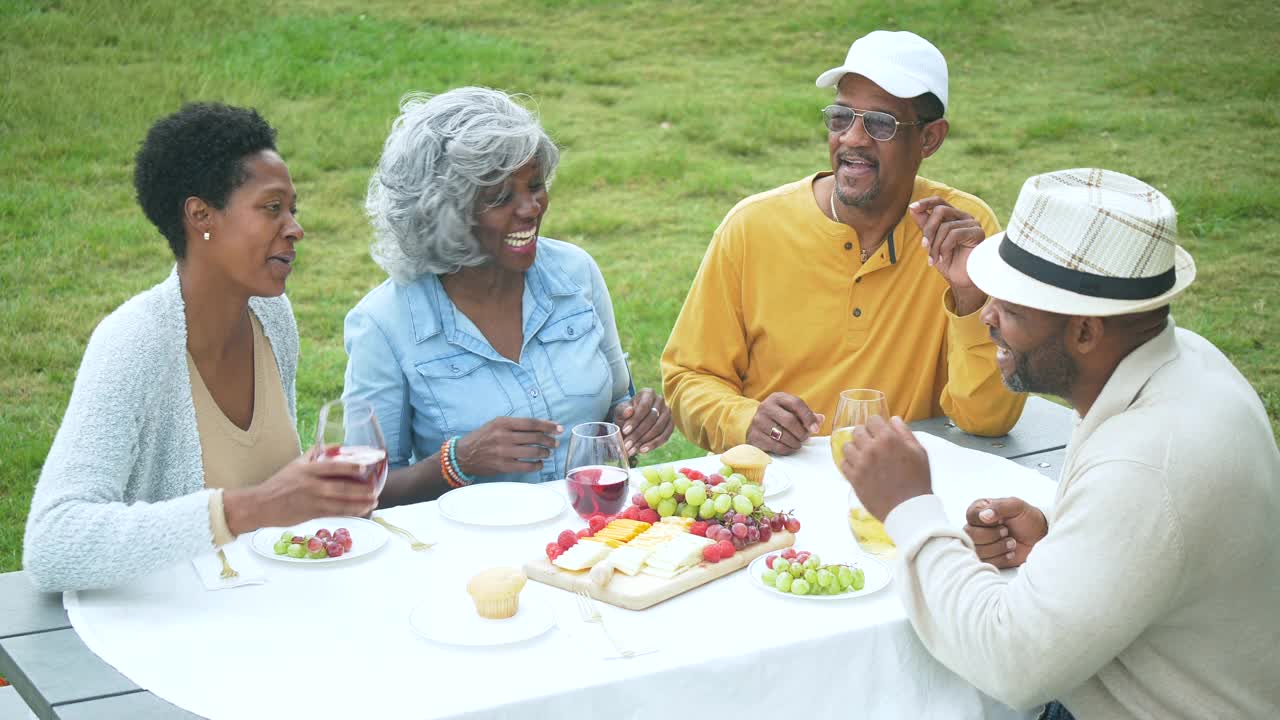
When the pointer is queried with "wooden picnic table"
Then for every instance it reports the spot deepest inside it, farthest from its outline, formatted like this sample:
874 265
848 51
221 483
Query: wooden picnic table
59 677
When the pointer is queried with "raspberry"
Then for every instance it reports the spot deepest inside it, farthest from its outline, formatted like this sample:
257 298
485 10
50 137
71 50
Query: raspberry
726 548
650 516
554 551
567 539
584 532
711 553
596 522
698 528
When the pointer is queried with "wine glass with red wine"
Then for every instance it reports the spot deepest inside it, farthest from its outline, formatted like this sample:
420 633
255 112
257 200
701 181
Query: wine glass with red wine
597 477
348 432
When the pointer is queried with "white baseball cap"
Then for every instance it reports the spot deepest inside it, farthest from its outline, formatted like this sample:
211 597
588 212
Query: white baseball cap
903 63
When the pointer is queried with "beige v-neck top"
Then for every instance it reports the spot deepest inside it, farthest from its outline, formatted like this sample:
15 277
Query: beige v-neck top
238 458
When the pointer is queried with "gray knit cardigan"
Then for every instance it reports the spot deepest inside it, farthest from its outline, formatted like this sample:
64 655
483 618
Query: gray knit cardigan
122 492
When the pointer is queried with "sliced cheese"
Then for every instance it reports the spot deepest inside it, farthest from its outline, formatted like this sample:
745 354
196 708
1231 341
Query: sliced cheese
629 558
582 555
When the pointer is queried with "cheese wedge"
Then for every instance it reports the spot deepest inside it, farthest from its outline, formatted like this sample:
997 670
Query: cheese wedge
629 559
582 555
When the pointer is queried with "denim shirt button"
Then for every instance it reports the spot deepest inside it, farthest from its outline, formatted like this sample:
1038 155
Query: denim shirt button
453 368
570 332
533 392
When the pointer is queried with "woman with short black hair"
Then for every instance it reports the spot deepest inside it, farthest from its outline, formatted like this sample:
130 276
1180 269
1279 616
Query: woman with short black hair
180 431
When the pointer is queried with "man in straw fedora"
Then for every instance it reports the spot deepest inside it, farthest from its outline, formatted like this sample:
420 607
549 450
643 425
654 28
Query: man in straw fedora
824 283
1151 589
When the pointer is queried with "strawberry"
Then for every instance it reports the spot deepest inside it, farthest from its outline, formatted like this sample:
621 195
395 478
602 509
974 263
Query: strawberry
567 539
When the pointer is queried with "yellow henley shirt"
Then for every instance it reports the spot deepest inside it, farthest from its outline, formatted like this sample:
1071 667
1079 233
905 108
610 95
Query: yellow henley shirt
782 303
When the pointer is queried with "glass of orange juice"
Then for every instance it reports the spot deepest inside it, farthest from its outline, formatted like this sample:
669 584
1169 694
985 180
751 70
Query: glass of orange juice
853 410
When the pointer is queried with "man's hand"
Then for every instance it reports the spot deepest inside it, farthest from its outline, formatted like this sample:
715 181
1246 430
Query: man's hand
886 465
782 423
507 445
950 235
1004 530
645 421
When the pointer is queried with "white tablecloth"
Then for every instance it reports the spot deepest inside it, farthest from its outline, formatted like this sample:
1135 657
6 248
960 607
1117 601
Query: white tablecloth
334 640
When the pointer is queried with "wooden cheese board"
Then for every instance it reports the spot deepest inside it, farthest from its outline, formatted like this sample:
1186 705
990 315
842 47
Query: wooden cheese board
643 590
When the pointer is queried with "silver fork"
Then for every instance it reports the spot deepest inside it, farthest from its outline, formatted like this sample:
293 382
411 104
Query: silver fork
414 543
590 614
228 573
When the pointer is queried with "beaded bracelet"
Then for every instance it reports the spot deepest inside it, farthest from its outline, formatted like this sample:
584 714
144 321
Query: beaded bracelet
464 478
446 471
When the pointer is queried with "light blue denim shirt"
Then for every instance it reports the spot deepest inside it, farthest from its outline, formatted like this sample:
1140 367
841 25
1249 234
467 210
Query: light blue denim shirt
430 373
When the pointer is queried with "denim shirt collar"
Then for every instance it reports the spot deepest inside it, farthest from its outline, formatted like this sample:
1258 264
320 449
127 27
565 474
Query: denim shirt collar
433 312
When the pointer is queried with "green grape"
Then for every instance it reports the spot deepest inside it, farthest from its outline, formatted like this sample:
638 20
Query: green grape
733 485
825 578
800 587
707 510
687 511
682 484
317 555
742 504
783 582
667 507
812 562
725 471
695 495
796 570
811 576
781 565
653 496
769 577
667 490
651 475
859 579
287 535
845 576
757 500
281 547
666 473
297 550
748 488
723 504
831 589
719 489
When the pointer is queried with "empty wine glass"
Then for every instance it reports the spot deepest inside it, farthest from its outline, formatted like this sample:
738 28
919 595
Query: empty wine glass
348 431
597 477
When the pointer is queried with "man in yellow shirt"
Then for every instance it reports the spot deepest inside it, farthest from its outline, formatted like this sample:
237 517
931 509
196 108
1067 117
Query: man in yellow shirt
825 284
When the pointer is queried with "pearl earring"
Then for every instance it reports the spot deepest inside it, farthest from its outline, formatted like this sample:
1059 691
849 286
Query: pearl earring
206 237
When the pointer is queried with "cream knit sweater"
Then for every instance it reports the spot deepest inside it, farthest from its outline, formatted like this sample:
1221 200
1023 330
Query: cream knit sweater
122 491
1156 593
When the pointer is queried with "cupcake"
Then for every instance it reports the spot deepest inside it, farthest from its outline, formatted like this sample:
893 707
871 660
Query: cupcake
748 460
496 592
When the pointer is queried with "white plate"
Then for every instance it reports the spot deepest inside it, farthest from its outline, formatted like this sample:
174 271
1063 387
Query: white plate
366 536
501 504
875 577
776 479
452 620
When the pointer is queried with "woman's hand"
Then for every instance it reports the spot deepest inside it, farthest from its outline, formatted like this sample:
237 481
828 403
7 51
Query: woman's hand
302 490
645 421
507 445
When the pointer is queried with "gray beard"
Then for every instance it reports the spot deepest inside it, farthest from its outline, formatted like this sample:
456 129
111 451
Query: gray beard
862 201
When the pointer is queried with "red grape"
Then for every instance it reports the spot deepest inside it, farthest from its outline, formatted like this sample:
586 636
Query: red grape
639 501
753 535
315 544
768 562
345 542
775 523
739 530
789 553
650 516
792 525
298 540
714 479
739 543
765 532
323 534
333 549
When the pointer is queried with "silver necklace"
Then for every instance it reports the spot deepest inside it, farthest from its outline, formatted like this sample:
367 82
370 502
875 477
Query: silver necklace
862 254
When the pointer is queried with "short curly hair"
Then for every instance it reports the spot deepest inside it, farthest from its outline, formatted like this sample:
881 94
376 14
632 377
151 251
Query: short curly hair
443 151
199 151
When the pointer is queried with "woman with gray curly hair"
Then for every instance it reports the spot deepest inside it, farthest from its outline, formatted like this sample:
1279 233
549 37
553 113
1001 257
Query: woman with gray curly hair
488 341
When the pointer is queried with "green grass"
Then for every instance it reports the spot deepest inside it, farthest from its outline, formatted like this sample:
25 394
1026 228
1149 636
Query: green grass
668 114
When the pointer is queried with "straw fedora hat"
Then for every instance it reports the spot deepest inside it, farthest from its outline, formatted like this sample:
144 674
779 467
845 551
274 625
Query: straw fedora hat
1086 242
